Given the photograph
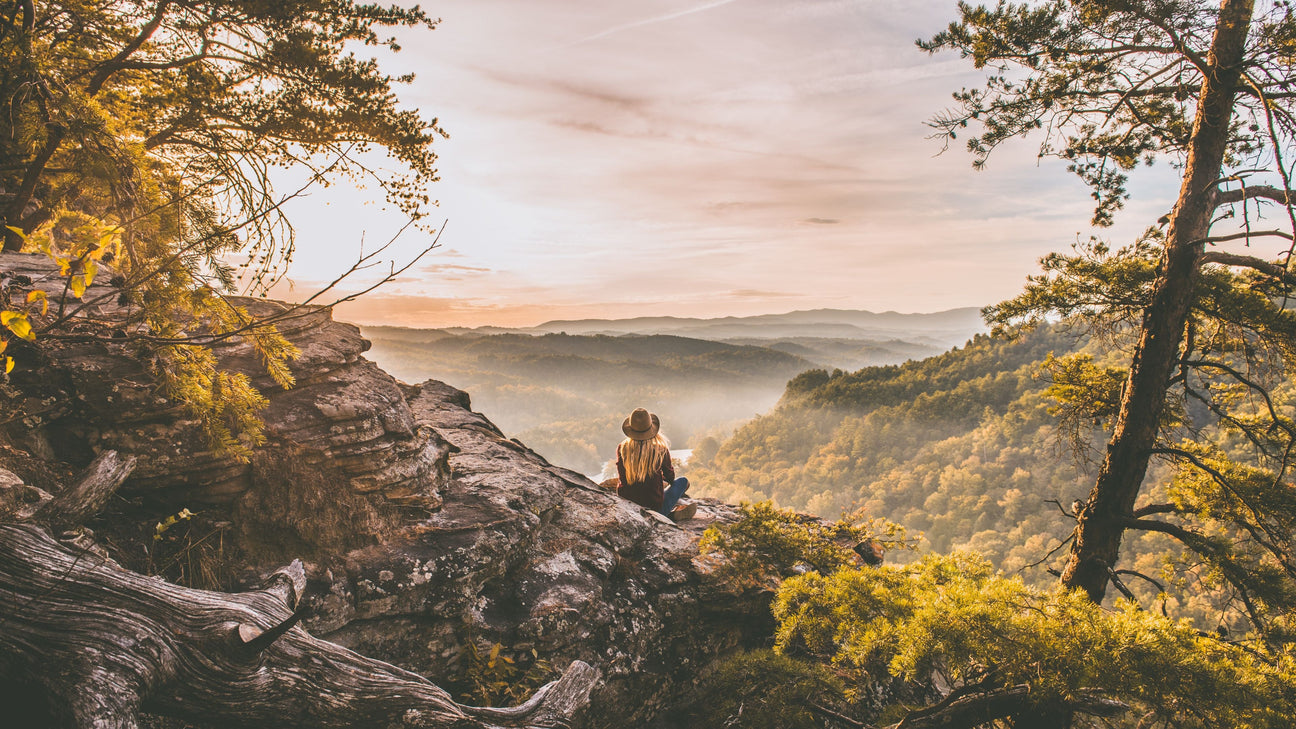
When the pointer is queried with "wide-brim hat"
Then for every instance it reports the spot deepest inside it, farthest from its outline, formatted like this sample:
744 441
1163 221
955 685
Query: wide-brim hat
641 425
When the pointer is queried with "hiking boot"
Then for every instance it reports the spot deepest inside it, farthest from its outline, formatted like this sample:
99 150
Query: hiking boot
684 512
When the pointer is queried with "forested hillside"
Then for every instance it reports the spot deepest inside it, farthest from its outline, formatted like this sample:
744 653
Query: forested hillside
960 446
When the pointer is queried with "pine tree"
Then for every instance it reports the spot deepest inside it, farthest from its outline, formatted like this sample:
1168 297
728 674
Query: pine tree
1112 85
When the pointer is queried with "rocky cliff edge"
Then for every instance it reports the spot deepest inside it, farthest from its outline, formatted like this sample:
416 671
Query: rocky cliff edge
432 541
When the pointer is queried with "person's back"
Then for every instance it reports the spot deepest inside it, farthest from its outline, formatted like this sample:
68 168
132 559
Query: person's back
643 469
645 474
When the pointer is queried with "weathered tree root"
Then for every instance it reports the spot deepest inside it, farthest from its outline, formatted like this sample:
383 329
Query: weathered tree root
104 644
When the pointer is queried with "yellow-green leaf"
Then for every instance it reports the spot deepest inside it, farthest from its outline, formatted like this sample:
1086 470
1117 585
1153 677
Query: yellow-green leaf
108 241
38 295
9 365
78 285
18 324
17 231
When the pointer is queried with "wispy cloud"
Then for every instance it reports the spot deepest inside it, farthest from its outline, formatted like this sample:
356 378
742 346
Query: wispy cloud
437 269
760 294
652 20
540 84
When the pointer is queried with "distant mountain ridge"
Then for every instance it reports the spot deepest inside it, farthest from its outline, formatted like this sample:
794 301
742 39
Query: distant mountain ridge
564 386
942 328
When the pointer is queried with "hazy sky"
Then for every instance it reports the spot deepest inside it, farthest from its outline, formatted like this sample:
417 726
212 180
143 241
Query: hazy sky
700 158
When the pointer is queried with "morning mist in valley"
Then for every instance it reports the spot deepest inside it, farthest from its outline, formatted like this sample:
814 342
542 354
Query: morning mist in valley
564 387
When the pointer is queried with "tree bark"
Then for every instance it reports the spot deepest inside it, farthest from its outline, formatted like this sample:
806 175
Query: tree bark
91 492
100 644
13 243
1099 531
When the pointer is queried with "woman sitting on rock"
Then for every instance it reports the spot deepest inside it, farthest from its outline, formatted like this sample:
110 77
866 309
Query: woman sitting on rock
645 474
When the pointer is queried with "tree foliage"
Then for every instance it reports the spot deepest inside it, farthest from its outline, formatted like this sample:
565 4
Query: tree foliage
959 447
170 115
950 641
1227 418
1110 84
1114 84
767 543
767 690
142 139
1021 653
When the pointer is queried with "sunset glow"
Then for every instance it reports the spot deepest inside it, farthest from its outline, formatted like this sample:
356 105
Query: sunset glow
703 158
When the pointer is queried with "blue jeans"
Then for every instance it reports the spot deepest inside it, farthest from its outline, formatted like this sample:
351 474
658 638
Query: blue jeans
672 495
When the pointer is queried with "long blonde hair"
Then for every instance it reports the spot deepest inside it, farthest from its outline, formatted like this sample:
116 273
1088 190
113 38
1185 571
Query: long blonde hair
641 458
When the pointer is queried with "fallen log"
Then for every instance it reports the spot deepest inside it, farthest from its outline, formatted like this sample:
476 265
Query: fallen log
102 644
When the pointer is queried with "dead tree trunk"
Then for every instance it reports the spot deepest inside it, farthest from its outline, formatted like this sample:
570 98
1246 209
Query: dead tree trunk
103 644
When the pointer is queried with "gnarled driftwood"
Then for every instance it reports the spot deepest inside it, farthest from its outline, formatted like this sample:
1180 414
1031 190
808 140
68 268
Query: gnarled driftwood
92 489
102 644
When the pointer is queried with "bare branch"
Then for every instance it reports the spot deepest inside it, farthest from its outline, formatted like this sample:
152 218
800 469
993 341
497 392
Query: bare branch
116 63
834 715
1259 531
290 313
989 705
1255 386
1246 234
307 307
1151 509
1252 192
1134 573
1052 552
1194 541
977 699
139 277
1277 270
1120 585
